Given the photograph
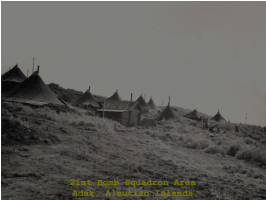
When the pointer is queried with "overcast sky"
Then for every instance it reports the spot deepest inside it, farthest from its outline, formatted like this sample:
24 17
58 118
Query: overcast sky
212 54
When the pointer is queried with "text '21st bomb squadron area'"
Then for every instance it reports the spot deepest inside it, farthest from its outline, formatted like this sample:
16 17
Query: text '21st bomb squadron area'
51 135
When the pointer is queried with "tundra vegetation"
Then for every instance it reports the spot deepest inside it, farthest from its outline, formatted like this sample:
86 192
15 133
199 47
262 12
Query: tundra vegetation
44 148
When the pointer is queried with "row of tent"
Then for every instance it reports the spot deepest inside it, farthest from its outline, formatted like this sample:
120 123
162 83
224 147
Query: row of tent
30 90
115 102
33 90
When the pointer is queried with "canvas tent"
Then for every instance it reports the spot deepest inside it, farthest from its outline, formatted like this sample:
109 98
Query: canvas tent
115 97
87 99
32 91
144 106
15 75
12 78
152 105
193 115
166 114
218 117
148 123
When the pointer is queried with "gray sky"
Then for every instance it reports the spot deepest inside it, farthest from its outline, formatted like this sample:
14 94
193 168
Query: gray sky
209 53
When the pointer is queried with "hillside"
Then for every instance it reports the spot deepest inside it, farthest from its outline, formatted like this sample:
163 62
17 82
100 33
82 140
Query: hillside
42 151
182 111
69 95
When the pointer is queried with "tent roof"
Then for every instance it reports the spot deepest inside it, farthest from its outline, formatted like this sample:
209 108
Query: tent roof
152 105
144 106
193 115
218 117
15 75
87 99
167 113
107 110
115 96
32 91
122 105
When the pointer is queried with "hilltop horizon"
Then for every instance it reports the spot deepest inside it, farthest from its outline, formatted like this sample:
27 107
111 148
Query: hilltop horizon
192 51
147 99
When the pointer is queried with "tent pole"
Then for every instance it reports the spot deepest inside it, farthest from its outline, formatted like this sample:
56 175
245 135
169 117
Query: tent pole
33 64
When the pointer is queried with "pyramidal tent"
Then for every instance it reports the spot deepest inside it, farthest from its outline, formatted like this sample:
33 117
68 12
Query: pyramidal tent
144 106
32 91
152 105
12 78
218 117
87 99
193 115
115 97
166 114
15 75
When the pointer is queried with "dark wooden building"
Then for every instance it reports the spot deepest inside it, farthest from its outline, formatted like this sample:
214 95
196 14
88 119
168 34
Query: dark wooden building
125 117
127 113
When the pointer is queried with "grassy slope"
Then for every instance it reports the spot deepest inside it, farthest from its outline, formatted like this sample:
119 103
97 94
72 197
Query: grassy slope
69 95
42 151
182 111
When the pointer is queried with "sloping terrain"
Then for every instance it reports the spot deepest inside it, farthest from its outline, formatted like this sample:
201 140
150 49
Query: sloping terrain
42 151
182 111
69 95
